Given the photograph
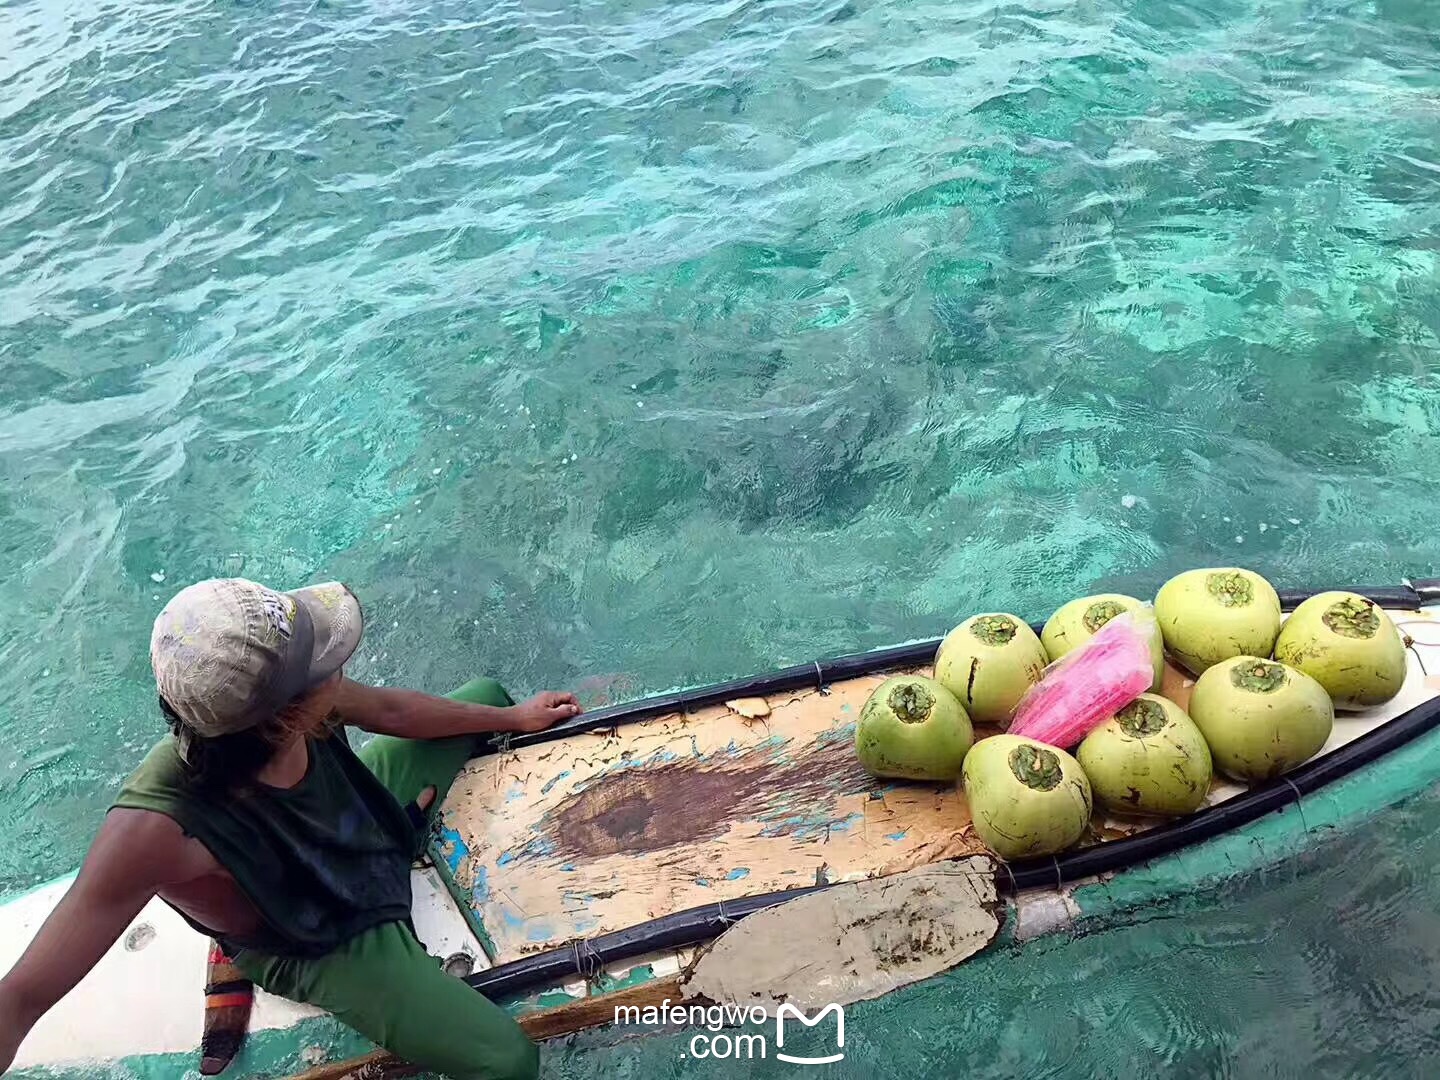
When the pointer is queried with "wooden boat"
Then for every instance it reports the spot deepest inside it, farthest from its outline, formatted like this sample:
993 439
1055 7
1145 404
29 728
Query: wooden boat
593 863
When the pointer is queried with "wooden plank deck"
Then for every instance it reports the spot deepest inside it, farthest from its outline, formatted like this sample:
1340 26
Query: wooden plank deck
603 831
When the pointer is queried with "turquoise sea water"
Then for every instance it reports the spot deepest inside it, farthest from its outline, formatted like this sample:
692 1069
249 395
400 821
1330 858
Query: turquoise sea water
632 344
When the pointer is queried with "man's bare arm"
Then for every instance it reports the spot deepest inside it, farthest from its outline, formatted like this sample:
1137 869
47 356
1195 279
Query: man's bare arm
413 715
135 853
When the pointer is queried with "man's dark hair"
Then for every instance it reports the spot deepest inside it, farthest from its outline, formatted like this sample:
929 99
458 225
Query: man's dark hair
226 763
221 763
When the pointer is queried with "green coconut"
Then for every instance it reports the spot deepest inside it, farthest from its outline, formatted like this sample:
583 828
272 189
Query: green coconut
1260 718
1149 758
1348 645
1211 615
913 728
1075 623
988 662
1026 798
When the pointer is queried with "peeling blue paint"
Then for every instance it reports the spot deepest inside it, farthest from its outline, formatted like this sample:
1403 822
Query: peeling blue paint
516 792
538 848
662 756
785 825
505 859
449 850
803 828
539 931
453 849
703 881
511 919
738 873
553 781
897 835
568 867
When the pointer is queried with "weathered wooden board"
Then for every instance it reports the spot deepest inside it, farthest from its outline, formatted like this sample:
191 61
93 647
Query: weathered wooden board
603 831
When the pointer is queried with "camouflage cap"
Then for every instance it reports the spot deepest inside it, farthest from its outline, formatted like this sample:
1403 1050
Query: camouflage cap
229 654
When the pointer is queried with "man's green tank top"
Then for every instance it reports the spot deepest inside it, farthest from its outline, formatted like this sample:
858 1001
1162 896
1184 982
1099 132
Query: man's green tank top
321 861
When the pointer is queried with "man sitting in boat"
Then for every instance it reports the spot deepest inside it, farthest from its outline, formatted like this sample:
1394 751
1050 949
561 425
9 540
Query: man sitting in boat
256 821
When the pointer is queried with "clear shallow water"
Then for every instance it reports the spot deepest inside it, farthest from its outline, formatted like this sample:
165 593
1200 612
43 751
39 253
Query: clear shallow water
633 344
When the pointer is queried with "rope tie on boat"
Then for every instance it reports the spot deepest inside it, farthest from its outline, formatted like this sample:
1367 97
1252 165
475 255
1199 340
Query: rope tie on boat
820 678
721 917
501 742
1014 886
1059 875
596 966
1299 805
1411 640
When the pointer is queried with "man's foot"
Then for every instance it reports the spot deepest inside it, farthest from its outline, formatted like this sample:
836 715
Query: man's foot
228 1000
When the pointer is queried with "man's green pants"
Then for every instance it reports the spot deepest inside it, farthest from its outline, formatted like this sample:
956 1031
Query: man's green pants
382 983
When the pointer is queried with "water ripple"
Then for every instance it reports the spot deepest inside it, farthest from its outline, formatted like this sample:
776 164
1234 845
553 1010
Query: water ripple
673 341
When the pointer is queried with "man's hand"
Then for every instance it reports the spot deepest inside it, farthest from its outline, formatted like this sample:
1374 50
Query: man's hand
544 710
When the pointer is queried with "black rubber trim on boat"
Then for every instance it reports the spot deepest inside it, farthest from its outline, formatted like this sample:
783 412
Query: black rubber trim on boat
567 963
695 925
1427 589
840 668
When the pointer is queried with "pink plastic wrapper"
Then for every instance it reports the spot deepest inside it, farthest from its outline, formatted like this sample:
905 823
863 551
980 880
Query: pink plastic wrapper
1086 687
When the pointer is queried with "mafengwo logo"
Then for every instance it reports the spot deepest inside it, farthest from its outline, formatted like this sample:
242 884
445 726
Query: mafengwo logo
798 1015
